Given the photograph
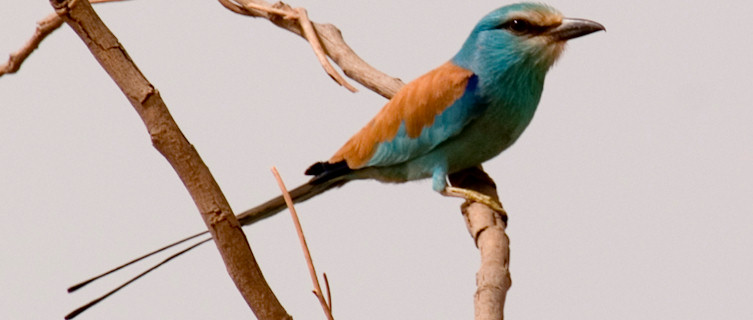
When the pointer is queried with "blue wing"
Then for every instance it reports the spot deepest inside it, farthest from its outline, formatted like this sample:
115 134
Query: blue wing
446 124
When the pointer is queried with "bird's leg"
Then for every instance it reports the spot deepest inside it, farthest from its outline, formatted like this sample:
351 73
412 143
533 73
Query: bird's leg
474 196
439 179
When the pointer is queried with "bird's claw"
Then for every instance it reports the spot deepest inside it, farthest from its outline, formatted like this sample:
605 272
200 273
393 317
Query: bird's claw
474 196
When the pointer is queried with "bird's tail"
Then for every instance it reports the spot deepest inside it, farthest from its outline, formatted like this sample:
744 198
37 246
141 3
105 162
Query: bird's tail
302 193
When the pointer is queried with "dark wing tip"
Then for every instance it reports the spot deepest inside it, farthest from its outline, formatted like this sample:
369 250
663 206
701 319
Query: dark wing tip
325 171
316 169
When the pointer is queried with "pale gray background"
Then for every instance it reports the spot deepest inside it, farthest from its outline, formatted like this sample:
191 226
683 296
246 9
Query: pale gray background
629 195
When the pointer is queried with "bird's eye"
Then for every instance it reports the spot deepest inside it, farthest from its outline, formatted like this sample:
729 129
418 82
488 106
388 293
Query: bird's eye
517 25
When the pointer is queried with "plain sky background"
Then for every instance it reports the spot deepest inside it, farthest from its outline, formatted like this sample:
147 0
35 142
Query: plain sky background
629 194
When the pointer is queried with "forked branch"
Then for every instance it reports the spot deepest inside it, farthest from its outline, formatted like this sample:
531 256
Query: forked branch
330 38
299 14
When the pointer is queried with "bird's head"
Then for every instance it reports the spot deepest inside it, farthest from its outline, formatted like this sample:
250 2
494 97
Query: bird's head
525 33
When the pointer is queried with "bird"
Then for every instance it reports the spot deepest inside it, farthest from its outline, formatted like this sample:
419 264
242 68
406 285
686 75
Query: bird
457 116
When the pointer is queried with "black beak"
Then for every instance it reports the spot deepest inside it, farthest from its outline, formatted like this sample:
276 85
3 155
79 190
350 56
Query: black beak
573 28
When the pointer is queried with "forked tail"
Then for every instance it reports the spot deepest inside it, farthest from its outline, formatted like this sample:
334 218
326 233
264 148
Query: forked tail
301 193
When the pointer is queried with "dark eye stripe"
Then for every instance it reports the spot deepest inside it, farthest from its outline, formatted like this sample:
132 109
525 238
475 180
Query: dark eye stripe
522 26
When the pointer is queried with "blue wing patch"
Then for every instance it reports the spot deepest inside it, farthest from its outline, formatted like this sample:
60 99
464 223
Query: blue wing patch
446 125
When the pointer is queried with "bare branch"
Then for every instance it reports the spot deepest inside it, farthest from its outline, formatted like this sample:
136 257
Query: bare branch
307 31
170 141
310 35
331 41
329 292
306 253
487 227
44 28
233 7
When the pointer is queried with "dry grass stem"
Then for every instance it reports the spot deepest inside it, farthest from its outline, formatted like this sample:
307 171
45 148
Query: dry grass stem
304 246
329 293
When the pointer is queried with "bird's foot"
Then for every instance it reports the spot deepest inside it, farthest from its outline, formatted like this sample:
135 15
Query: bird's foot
474 196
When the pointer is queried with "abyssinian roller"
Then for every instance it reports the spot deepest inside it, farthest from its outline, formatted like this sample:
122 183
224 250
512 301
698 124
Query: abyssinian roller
455 117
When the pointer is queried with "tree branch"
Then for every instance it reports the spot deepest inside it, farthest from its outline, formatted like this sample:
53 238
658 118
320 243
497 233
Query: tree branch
307 32
169 140
44 28
331 40
487 228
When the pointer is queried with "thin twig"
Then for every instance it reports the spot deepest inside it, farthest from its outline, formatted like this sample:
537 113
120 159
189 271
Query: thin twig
285 14
233 7
44 28
312 271
329 293
307 28
330 39
310 34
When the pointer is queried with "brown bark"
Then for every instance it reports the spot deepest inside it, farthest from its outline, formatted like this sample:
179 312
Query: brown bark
487 228
168 140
